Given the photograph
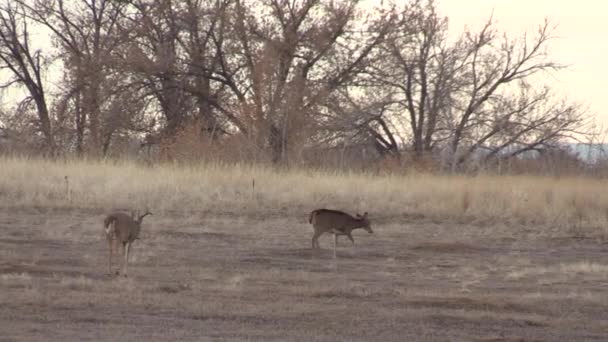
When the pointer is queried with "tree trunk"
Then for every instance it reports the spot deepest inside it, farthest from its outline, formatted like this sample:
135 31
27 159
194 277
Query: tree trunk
80 126
277 145
205 113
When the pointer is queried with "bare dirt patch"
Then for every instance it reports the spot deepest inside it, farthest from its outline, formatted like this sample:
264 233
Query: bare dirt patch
195 276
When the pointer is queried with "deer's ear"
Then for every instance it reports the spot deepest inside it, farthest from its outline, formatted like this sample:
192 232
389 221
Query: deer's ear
358 216
365 214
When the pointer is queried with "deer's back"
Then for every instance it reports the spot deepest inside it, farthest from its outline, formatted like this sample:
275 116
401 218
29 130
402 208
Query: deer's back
123 226
326 219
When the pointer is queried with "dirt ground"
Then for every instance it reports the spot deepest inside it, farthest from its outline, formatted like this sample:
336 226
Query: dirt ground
204 276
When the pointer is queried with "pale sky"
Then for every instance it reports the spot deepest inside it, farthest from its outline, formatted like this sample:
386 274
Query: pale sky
582 40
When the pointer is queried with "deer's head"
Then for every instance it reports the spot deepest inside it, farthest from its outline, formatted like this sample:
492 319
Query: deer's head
365 223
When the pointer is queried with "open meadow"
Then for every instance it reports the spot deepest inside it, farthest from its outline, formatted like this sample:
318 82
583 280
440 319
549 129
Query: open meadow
227 255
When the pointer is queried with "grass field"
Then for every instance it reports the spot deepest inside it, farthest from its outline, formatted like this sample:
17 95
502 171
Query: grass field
453 258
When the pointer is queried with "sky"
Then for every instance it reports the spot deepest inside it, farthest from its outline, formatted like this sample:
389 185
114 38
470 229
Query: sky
581 40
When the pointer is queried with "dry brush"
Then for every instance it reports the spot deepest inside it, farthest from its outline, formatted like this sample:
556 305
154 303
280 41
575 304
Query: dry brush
575 205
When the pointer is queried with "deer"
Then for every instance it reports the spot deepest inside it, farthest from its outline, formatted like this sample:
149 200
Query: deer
338 223
123 228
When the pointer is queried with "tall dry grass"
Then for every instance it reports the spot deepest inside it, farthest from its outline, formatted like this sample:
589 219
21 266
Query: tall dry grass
580 204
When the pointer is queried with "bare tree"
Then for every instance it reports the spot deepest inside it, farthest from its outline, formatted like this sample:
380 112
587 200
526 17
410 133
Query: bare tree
204 23
24 65
357 115
286 60
467 97
154 57
172 56
417 72
85 32
283 76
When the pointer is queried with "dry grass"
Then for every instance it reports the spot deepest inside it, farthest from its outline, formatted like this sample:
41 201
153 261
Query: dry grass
578 206
221 260
207 277
570 270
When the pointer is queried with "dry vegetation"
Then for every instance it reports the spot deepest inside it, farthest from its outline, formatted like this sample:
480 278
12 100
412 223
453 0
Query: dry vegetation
453 257
554 204
227 254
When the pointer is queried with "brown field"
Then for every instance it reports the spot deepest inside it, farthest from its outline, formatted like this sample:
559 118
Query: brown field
452 258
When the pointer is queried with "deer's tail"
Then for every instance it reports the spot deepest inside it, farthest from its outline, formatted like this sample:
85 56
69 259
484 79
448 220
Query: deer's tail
108 223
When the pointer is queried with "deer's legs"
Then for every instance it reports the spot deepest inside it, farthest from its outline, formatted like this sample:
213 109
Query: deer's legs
335 243
110 258
123 253
127 249
350 237
315 239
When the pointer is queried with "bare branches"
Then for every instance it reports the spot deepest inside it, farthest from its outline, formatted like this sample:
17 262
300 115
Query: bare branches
286 75
84 32
290 60
474 94
25 65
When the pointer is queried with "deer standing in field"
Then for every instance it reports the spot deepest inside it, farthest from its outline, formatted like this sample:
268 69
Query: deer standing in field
338 223
123 228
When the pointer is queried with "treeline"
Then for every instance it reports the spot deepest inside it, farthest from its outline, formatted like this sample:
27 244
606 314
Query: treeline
284 81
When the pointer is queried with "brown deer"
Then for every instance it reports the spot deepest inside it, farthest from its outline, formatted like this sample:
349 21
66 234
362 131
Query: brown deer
124 228
338 223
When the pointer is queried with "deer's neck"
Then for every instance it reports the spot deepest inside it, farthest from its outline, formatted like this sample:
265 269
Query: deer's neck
357 223
137 230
